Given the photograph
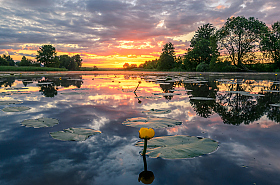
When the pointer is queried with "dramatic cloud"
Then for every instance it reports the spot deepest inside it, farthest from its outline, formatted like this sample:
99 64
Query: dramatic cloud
110 31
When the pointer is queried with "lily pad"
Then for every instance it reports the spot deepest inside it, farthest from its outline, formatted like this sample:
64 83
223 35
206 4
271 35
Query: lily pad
44 83
16 88
72 93
238 92
167 94
41 122
275 105
156 111
80 89
179 147
151 122
201 98
15 109
74 134
10 102
148 97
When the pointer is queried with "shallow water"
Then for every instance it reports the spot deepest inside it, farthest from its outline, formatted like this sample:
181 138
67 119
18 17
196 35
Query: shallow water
246 127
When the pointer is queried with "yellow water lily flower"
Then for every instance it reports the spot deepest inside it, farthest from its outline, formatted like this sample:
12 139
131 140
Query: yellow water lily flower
146 133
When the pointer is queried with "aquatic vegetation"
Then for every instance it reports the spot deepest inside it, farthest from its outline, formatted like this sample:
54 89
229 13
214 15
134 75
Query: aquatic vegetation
15 109
151 122
74 134
10 102
201 98
179 147
157 111
41 122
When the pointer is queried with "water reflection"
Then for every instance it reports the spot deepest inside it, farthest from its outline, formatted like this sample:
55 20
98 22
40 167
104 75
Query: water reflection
230 102
146 177
103 101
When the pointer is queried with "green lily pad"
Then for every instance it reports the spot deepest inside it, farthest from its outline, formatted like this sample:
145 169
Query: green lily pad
44 83
167 94
148 97
10 102
80 89
238 92
151 122
74 134
156 111
253 95
201 98
72 93
15 109
179 147
16 88
275 105
41 122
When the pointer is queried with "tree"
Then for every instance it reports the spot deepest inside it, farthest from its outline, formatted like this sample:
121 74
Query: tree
126 66
204 47
167 57
47 56
25 62
77 59
8 59
271 43
240 37
70 63
3 61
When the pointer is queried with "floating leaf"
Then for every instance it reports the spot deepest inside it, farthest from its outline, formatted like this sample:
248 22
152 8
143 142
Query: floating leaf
72 93
167 94
41 122
80 89
253 95
10 102
156 111
44 83
16 88
275 105
238 92
151 122
148 97
74 134
179 147
15 109
201 98
273 91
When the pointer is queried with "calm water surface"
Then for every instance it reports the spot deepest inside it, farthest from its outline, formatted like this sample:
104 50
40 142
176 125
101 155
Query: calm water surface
245 125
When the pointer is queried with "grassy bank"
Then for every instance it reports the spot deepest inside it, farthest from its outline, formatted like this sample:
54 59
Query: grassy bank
29 68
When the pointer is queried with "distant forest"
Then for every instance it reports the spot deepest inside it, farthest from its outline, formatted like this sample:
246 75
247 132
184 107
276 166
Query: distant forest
47 57
246 44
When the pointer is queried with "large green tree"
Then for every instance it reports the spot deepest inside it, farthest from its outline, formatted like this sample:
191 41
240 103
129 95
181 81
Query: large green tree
240 38
167 57
70 63
271 43
8 59
25 62
47 56
3 61
203 47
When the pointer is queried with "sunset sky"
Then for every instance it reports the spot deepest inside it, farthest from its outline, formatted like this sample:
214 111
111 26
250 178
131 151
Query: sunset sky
109 33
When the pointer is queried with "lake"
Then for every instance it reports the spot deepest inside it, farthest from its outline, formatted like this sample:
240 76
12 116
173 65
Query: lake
239 111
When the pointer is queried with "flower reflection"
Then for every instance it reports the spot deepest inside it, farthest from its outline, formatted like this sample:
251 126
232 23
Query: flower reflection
146 177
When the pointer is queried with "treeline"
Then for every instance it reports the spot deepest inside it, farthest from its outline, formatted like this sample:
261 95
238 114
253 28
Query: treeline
239 40
47 57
